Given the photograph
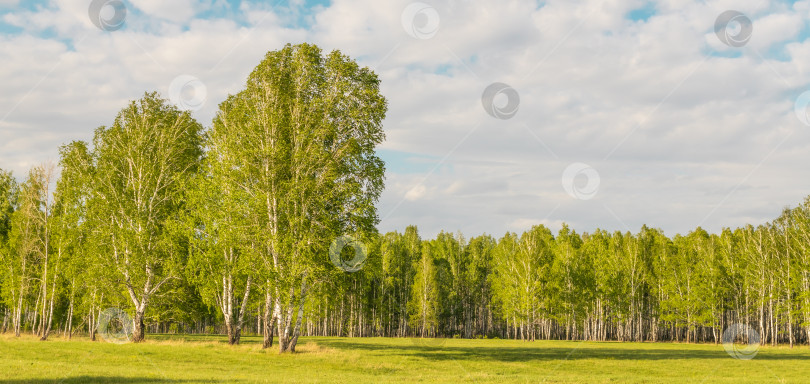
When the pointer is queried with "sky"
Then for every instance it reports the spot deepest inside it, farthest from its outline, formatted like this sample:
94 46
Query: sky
503 114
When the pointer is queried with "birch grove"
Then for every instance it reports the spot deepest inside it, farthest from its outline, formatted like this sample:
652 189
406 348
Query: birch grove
227 230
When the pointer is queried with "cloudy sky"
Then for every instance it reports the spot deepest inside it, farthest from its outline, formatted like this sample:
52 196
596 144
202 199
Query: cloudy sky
503 113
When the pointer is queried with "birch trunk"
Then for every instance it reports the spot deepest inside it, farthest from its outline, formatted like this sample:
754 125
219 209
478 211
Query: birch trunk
240 320
49 322
138 329
269 319
298 320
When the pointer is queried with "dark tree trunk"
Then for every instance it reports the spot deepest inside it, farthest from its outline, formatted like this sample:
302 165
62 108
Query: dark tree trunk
231 331
138 329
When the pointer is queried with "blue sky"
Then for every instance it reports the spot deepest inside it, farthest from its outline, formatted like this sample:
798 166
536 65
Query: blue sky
630 112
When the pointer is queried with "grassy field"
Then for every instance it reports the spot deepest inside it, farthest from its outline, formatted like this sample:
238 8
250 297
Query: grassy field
200 359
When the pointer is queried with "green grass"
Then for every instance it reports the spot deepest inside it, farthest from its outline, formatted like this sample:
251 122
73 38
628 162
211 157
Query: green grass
199 359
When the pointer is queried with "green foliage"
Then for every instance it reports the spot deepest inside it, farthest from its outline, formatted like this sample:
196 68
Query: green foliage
142 166
296 150
8 195
8 201
424 304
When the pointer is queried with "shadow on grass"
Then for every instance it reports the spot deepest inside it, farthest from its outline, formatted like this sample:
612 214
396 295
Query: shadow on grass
539 352
93 379
195 338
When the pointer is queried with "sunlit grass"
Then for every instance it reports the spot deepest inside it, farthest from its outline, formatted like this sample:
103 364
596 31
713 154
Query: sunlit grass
204 358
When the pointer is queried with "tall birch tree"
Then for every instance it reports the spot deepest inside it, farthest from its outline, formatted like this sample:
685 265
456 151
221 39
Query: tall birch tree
143 164
221 261
299 144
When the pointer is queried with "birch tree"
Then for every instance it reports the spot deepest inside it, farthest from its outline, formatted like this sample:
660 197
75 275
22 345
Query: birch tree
801 244
27 247
298 142
221 263
8 197
481 251
48 262
424 304
522 273
69 212
143 164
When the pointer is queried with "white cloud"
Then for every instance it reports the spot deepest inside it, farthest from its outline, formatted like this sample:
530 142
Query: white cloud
680 137
777 28
416 193
175 10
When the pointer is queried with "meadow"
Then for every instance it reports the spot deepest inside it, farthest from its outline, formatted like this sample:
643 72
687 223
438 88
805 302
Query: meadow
209 359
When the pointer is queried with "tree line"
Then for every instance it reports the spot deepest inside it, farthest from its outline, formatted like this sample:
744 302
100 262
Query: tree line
595 286
227 229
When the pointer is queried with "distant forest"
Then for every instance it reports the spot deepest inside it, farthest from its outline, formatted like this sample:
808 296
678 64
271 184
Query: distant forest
240 228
